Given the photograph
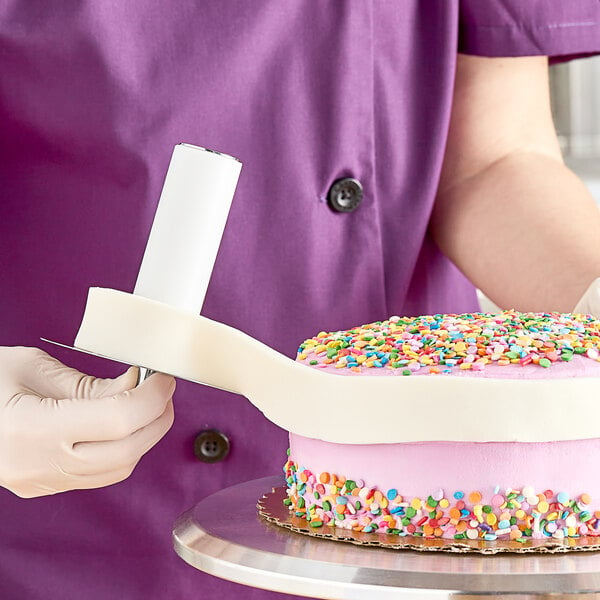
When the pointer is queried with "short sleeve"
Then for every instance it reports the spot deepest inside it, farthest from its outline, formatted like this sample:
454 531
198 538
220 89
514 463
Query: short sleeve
556 28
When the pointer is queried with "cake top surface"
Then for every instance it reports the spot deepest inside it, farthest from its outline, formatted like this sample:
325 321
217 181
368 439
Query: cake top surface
469 344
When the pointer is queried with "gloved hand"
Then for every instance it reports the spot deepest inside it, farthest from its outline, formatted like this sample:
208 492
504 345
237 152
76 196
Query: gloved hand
63 430
590 301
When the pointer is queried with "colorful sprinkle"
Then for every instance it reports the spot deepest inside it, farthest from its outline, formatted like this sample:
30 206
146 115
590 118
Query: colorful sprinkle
438 344
475 497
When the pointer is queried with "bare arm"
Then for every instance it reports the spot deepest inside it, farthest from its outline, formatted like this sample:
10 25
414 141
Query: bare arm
509 213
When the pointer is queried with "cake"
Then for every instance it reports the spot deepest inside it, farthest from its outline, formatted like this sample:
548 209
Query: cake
514 491
473 430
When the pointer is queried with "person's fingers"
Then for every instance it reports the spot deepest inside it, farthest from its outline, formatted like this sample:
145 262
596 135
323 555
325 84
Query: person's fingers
104 457
95 464
61 482
113 417
43 438
50 378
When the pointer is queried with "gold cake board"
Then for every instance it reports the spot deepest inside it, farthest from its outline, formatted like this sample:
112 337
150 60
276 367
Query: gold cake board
271 508
223 535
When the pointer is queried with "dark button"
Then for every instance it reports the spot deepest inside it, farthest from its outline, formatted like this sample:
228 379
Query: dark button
345 194
211 446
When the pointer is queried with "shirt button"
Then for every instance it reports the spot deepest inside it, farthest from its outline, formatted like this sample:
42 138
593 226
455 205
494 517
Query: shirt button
345 194
211 446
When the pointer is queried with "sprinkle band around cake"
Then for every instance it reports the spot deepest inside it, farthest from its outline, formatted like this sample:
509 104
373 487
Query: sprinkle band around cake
452 512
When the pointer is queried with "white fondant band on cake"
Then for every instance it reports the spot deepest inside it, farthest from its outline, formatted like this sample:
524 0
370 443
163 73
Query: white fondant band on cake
306 401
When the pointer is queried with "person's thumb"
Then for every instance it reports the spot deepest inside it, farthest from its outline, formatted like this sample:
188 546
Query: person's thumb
100 388
589 304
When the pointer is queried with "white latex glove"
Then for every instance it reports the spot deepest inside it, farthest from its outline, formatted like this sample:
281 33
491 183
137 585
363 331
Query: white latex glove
590 301
63 430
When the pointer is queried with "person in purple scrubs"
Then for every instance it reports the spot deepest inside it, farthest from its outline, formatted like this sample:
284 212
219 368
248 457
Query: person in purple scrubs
395 155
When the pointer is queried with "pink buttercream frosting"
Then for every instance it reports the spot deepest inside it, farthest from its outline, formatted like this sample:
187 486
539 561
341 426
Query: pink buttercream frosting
577 367
419 467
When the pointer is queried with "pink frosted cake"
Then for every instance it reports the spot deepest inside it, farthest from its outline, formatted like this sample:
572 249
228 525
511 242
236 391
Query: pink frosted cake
454 490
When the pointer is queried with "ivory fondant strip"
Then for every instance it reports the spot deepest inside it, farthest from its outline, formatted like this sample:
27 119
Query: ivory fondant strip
306 401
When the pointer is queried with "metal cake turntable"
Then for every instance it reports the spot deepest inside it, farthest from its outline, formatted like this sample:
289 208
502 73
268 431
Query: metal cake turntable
224 536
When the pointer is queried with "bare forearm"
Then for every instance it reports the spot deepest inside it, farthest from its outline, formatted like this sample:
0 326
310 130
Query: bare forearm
525 230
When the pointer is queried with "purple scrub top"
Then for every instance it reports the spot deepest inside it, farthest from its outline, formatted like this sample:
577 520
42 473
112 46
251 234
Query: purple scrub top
93 97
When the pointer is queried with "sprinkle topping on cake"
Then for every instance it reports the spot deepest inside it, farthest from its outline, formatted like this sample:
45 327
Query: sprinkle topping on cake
442 343
501 514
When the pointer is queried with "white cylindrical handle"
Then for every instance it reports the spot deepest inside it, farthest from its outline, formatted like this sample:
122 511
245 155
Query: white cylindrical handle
188 226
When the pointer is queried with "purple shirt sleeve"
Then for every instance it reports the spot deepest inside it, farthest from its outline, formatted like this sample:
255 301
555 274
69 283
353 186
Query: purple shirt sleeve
555 28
